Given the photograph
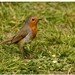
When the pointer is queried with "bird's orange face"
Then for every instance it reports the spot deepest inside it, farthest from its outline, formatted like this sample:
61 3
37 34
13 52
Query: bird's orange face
34 21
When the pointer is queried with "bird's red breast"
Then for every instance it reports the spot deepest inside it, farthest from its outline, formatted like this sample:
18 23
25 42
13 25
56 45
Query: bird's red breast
34 30
33 25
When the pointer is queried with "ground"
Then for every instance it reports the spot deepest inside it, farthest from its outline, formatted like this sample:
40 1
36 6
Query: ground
53 49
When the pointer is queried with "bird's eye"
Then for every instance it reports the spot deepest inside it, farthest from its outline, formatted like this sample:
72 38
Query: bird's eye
32 19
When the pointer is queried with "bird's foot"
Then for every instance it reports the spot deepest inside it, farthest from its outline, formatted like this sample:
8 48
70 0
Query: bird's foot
27 56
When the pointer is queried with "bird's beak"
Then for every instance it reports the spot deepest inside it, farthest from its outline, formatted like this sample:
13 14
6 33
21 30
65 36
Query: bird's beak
40 18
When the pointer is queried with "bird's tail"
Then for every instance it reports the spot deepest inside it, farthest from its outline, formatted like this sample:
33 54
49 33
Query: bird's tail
4 42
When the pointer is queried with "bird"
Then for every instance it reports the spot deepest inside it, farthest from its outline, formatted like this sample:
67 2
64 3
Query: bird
26 34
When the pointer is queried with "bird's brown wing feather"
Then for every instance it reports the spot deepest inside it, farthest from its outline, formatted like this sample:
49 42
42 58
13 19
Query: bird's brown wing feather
20 36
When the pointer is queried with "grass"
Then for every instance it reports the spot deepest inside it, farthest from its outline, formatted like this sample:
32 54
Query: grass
53 49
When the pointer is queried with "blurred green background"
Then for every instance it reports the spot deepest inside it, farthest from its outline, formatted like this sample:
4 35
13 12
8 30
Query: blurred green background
53 49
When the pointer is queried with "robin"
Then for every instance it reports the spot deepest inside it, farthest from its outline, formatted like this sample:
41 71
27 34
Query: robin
26 34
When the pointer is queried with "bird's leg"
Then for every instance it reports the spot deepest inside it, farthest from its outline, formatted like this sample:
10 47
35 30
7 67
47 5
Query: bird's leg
21 46
24 52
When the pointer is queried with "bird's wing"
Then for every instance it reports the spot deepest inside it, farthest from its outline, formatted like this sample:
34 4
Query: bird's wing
21 34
